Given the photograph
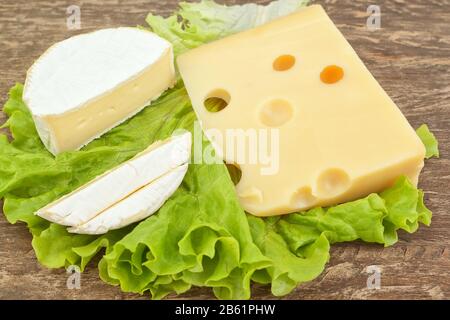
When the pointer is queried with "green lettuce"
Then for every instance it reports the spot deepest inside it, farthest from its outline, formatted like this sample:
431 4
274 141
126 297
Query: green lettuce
429 140
198 23
200 236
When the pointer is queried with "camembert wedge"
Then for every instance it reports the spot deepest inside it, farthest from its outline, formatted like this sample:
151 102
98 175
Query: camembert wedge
137 206
85 85
135 180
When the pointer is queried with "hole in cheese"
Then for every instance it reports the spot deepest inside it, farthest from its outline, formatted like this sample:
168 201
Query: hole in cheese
303 198
235 172
331 74
332 182
276 112
217 100
284 62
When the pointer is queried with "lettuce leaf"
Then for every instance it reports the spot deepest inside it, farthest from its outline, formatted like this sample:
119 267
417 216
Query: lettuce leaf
429 140
201 236
298 244
198 23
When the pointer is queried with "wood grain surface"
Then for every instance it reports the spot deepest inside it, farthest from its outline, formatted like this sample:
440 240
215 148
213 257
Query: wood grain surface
409 55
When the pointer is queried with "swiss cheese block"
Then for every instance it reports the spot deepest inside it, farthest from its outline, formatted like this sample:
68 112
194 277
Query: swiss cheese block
85 85
340 135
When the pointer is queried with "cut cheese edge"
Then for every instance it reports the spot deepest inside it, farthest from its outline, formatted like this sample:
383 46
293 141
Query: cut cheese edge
137 206
340 135
85 85
86 202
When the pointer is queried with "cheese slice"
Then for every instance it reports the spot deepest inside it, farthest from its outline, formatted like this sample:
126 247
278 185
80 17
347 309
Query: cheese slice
137 206
340 136
86 202
85 85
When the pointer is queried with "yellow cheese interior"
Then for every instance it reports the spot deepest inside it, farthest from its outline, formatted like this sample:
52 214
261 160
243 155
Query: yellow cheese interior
340 135
76 128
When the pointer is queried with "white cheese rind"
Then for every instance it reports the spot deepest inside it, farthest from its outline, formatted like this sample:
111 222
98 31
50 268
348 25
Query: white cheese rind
103 192
68 87
88 65
138 206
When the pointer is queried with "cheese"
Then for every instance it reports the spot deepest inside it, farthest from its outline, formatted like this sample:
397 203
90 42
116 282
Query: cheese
85 85
86 202
340 135
137 206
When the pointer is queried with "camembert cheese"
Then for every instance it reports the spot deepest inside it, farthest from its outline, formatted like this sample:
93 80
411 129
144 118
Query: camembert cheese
85 85
126 193
137 206
340 135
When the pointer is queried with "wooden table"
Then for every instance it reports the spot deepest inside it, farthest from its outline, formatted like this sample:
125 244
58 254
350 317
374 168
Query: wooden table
409 55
